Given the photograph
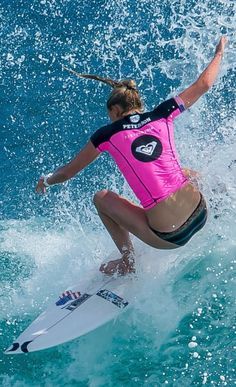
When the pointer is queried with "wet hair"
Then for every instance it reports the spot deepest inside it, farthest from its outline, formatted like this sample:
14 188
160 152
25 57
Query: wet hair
124 93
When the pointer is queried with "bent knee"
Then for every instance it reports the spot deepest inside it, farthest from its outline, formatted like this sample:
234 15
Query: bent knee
100 196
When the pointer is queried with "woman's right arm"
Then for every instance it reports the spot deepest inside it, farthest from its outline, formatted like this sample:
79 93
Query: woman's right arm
206 79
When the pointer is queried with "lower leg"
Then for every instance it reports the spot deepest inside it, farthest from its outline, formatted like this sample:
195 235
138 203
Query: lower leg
122 240
120 236
121 217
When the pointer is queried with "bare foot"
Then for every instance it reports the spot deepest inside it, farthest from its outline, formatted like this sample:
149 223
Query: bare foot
120 266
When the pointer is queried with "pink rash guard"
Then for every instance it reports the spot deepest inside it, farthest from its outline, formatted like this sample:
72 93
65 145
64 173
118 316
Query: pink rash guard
142 146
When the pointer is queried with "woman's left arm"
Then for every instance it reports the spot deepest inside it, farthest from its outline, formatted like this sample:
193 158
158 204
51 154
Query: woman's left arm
88 154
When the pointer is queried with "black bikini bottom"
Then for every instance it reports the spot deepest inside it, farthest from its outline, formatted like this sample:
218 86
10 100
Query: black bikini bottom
185 232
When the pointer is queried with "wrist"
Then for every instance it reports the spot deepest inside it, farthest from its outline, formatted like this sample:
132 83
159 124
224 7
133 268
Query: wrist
45 179
219 53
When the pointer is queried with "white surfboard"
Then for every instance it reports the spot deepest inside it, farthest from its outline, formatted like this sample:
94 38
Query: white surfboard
77 311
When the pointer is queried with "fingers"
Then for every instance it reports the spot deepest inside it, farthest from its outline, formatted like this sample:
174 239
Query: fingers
107 268
223 41
221 45
40 187
118 266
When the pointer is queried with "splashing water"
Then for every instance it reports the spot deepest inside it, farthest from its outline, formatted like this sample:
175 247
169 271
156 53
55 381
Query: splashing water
181 329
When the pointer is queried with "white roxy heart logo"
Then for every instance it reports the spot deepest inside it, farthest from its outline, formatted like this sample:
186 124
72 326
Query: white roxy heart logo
147 149
134 119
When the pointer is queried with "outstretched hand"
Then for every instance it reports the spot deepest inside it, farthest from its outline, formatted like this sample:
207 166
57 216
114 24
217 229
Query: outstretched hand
40 187
221 45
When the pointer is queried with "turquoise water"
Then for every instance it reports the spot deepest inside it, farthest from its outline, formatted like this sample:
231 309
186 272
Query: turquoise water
181 330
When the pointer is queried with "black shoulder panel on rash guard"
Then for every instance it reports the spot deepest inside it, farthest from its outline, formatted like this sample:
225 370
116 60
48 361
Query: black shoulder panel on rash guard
103 134
166 108
106 132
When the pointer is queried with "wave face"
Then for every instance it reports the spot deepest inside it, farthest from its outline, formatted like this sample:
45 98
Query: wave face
181 329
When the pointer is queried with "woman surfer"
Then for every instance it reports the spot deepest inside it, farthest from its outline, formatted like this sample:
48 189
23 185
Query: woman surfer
142 144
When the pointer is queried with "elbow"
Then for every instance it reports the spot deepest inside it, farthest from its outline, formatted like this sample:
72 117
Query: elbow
206 85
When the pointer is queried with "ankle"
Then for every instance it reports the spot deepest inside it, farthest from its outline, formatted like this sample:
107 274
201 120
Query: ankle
128 258
127 250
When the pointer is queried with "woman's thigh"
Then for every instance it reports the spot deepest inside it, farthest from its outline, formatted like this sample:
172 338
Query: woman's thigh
129 216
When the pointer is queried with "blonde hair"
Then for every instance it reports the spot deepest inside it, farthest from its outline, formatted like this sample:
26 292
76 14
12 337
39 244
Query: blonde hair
124 93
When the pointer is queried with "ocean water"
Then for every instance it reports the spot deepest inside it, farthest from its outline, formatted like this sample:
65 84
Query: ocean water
181 329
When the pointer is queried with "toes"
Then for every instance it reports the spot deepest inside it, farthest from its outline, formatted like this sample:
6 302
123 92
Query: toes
103 267
118 266
106 268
